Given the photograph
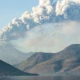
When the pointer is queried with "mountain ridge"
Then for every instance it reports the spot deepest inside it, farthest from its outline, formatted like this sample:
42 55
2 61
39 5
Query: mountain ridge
62 62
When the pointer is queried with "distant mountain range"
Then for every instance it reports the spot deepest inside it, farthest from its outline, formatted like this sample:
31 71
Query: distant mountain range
8 70
65 62
11 55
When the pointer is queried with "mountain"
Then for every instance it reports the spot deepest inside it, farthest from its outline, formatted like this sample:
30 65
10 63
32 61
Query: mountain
34 60
11 55
65 62
8 70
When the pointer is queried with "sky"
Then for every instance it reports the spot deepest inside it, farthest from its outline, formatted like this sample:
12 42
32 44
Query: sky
47 28
10 9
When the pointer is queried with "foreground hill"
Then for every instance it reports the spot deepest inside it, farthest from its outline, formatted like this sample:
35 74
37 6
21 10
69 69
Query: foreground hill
8 70
66 62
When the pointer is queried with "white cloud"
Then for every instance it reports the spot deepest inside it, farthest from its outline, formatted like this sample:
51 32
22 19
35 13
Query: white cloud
70 9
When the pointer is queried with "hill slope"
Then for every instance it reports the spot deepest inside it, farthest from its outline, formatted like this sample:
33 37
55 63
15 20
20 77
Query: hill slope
34 60
61 63
8 70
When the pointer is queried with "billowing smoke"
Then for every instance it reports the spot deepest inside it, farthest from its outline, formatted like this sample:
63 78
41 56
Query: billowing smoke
69 9
45 12
40 15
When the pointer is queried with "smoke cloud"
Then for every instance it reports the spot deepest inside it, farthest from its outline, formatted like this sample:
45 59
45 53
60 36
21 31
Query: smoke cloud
47 28
69 9
45 12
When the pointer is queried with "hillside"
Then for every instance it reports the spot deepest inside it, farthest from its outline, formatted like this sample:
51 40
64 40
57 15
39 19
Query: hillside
34 60
61 63
8 70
